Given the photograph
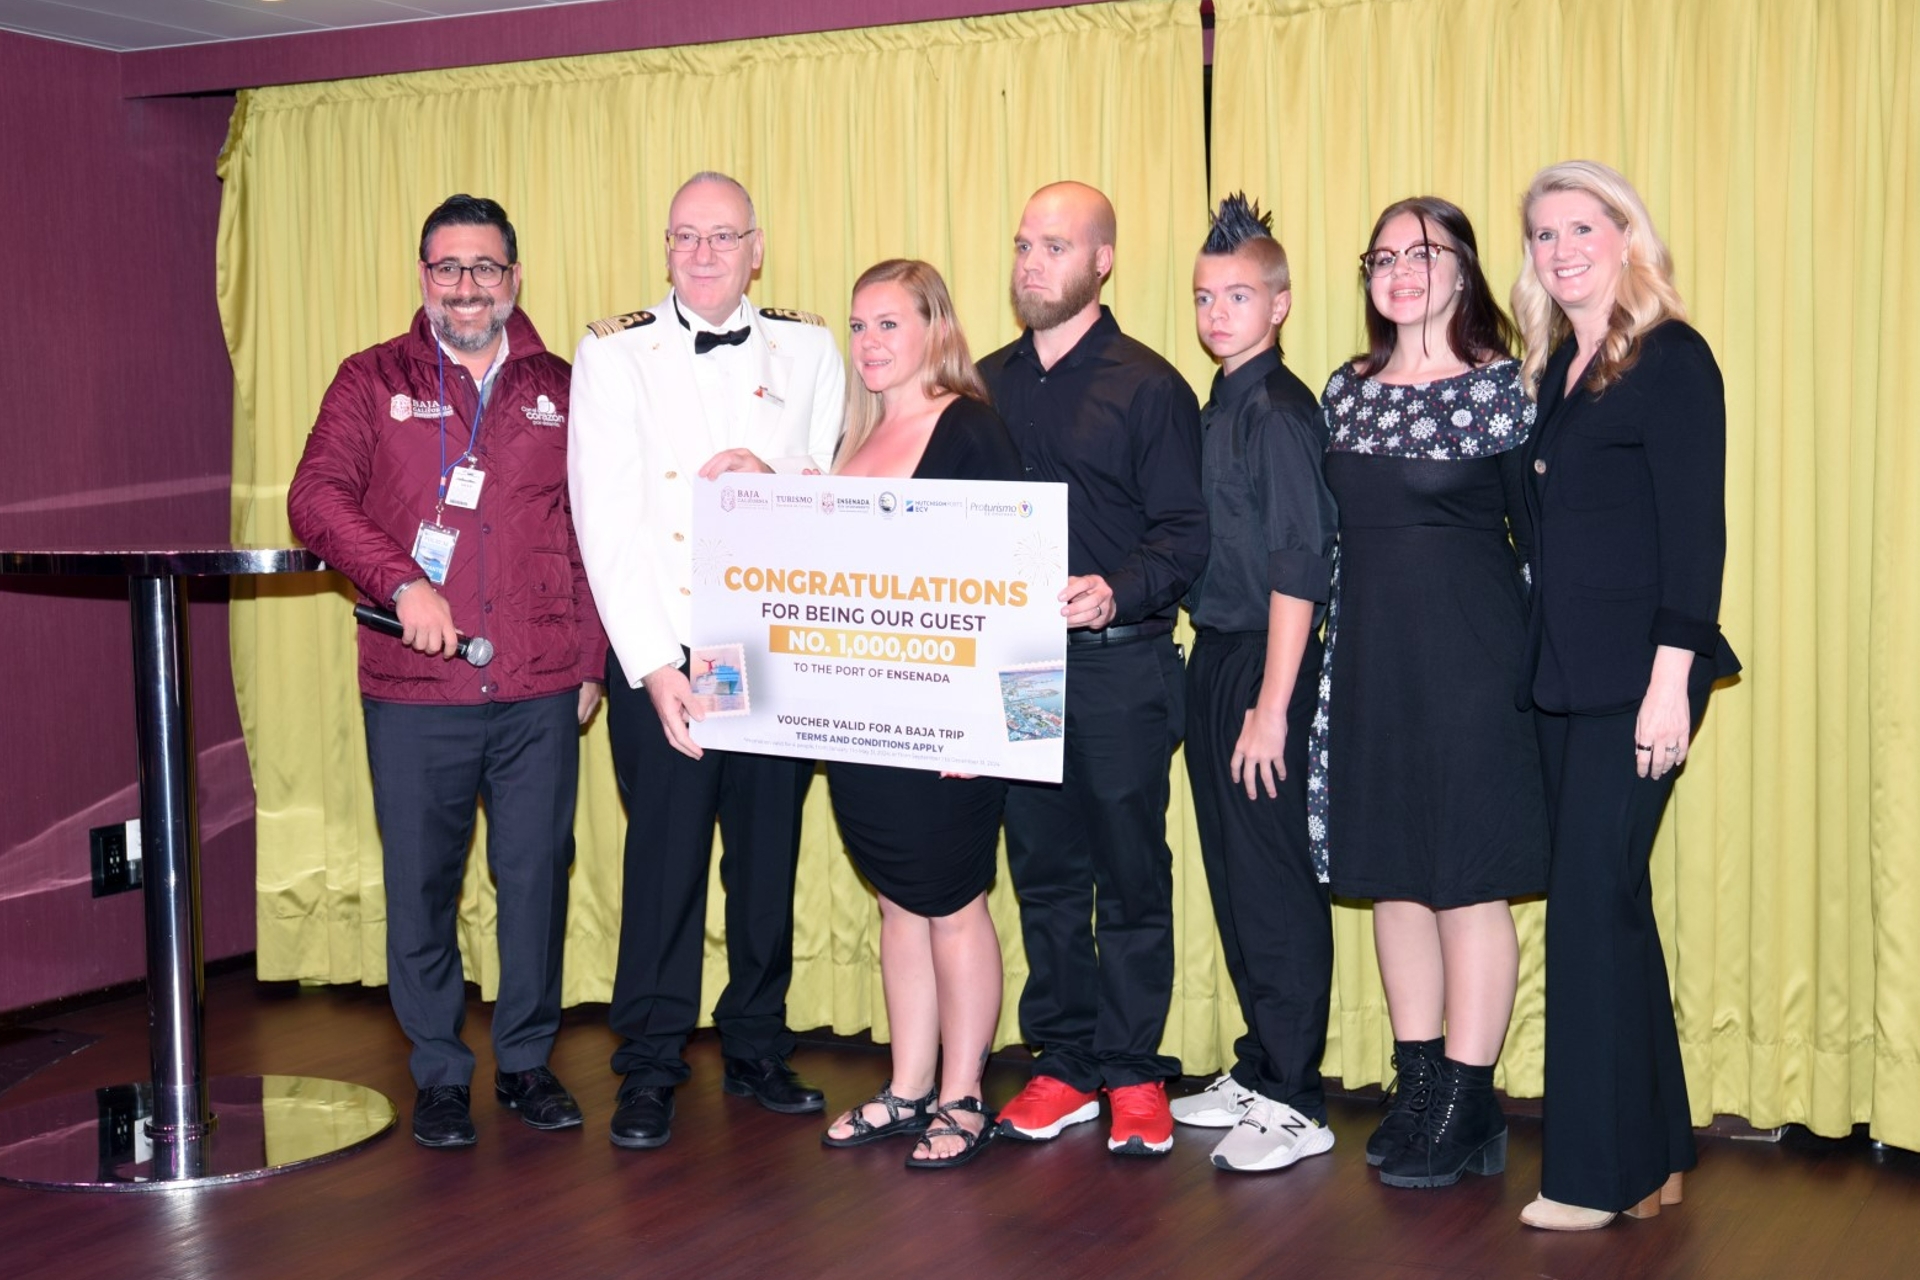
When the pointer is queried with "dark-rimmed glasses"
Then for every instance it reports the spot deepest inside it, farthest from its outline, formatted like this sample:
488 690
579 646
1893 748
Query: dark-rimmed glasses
446 273
1377 262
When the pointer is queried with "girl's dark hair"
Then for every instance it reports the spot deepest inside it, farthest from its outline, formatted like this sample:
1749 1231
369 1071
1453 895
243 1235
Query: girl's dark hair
1479 331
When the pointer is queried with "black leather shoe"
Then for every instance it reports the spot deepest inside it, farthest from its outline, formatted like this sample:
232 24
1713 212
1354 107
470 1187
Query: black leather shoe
442 1117
772 1083
644 1117
539 1097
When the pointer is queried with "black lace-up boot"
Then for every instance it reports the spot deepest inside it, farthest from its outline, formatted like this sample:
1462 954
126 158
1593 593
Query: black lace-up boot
1413 1067
1464 1132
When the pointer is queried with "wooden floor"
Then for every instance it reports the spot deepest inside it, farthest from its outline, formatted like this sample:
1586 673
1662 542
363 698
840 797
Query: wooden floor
742 1192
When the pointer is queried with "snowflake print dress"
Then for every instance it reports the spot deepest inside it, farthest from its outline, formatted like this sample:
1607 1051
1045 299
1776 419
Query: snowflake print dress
1425 778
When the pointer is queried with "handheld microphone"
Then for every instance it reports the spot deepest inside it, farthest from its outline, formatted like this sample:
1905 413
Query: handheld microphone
477 650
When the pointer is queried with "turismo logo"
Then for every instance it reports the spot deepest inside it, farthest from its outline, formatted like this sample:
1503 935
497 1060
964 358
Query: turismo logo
998 508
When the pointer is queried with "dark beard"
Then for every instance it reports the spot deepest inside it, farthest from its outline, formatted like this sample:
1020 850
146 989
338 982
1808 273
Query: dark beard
1040 314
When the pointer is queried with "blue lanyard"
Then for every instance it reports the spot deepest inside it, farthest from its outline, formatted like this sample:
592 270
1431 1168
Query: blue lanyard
473 437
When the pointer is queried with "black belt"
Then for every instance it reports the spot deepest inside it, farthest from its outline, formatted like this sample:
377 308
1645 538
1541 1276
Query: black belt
1120 635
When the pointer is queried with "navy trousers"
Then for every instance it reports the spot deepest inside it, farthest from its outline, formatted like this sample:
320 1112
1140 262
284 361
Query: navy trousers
430 764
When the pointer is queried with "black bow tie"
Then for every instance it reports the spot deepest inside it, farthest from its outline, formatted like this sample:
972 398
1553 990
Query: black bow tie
704 341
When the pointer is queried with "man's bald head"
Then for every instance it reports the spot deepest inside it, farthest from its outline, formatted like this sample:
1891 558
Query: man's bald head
1087 205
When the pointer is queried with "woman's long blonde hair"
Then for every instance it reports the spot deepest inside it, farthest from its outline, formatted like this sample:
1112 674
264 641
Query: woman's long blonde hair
948 368
1644 297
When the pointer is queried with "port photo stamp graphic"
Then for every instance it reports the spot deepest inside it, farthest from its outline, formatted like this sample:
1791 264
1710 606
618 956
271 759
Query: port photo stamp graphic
718 674
1033 697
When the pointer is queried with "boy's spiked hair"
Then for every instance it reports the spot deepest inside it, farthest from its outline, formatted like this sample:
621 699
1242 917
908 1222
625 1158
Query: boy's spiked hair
1235 222
1238 226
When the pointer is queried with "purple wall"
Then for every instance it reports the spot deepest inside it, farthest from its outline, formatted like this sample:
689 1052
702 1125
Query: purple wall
117 425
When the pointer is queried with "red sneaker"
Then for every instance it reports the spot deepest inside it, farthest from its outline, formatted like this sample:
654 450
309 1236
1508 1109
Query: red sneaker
1142 1124
1046 1106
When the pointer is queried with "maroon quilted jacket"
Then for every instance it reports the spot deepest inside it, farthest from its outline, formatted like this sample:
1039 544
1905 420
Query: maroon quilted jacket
369 477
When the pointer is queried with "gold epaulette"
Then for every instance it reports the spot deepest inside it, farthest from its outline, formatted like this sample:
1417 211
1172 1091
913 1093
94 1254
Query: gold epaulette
615 324
788 313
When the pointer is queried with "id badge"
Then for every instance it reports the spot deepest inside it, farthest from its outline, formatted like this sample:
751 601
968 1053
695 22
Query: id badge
463 489
433 550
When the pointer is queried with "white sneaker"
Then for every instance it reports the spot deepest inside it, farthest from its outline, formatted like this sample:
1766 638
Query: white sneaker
1271 1135
1219 1106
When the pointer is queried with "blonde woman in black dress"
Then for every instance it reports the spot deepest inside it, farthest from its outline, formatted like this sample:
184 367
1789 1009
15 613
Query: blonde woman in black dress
924 840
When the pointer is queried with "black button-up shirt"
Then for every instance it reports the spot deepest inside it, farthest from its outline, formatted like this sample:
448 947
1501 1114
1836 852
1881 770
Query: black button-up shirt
1121 428
1272 516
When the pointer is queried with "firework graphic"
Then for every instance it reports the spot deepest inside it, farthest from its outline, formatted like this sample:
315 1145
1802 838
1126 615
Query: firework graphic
711 557
1038 559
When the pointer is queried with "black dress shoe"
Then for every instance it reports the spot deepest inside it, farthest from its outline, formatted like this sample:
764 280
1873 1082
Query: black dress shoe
773 1084
539 1097
643 1117
442 1117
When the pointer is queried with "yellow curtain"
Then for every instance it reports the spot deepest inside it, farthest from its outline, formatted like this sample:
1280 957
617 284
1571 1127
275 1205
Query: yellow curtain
921 140
1775 141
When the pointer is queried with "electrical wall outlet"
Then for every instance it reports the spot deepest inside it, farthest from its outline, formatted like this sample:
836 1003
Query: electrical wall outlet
116 858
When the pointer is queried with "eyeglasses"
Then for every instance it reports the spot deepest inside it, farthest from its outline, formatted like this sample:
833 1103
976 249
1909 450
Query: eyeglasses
721 241
447 273
1378 262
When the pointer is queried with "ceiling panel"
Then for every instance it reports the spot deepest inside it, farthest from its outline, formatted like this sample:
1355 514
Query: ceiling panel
127 25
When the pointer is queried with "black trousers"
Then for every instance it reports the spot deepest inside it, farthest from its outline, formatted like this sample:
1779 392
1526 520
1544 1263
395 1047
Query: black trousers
429 764
1275 917
1615 1113
672 803
1094 875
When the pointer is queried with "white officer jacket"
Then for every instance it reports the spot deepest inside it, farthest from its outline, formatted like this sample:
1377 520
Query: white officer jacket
639 435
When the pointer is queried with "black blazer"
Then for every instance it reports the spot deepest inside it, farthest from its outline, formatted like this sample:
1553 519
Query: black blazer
1627 491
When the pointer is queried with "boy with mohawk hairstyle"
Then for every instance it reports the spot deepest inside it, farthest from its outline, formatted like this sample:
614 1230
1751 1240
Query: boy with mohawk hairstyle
1251 687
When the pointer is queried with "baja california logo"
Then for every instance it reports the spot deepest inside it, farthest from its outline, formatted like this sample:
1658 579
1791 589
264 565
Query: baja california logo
726 498
401 407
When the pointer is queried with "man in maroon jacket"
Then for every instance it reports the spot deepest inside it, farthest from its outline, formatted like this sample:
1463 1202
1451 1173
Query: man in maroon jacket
436 479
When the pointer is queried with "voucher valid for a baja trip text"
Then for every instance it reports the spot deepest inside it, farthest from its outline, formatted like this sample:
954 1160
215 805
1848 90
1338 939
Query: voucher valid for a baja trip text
886 621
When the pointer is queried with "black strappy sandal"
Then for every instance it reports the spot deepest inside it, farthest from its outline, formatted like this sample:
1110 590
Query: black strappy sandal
904 1115
947 1127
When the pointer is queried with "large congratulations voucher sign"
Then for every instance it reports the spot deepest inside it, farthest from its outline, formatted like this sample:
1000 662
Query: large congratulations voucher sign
885 621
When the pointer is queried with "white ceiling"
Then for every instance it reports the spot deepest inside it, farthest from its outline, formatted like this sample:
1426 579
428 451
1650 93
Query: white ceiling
127 25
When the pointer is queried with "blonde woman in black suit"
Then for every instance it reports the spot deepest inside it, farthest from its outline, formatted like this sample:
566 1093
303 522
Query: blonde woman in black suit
1627 490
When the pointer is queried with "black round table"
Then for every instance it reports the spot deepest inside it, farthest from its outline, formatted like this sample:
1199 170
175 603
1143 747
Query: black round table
181 1128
